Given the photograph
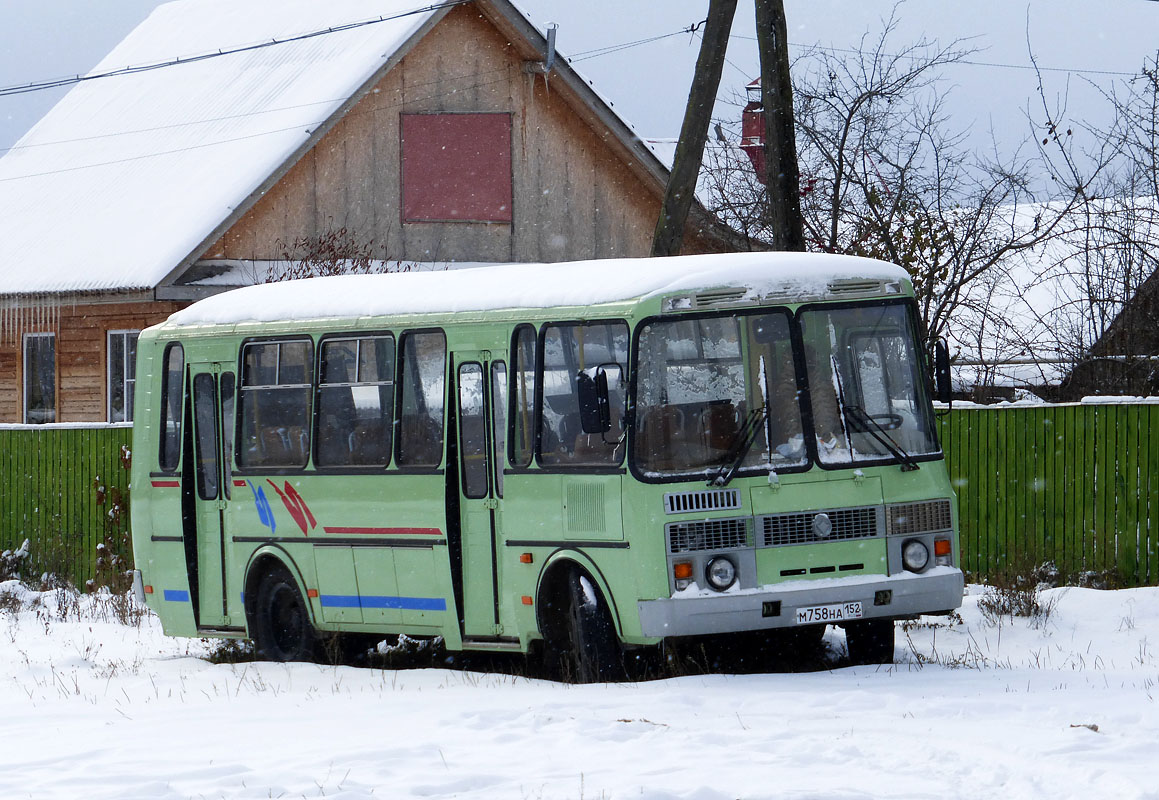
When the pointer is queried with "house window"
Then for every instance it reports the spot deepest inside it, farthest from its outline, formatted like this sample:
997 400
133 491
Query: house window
456 167
39 378
122 352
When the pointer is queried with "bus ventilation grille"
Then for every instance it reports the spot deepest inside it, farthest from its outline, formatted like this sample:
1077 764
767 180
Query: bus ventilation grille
711 534
797 528
859 288
907 518
684 502
720 297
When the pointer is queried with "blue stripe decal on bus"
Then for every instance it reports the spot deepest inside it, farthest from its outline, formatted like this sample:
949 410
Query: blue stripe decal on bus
381 601
177 595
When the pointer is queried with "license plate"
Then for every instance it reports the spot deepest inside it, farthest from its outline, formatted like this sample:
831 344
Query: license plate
838 612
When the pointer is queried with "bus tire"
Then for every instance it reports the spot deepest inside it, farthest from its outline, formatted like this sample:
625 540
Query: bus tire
281 625
591 650
870 641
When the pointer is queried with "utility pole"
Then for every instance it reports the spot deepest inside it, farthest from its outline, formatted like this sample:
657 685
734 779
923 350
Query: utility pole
782 178
681 187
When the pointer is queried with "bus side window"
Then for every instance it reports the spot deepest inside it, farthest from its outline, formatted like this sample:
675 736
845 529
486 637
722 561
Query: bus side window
275 403
355 401
522 395
421 398
568 350
170 451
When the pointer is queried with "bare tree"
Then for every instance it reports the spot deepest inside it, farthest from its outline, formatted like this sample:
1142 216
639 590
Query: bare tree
1112 253
884 175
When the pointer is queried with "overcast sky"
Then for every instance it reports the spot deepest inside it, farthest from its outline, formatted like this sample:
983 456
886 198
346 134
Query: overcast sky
648 83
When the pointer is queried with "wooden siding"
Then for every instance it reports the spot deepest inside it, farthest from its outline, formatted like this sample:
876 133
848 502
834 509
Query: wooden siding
1074 484
49 480
81 358
575 196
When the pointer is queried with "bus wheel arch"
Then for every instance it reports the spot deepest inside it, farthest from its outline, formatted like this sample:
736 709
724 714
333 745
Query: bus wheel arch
579 625
279 617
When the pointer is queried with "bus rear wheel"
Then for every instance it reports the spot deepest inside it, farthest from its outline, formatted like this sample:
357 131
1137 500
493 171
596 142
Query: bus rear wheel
281 622
584 647
870 641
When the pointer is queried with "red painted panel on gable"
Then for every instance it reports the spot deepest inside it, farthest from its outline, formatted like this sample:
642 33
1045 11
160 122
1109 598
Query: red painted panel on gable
456 167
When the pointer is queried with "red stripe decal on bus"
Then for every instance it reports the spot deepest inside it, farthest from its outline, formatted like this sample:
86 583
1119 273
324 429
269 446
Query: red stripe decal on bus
166 484
388 531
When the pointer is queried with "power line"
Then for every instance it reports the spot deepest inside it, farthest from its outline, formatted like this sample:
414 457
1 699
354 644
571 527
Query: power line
75 79
580 56
202 145
968 62
615 48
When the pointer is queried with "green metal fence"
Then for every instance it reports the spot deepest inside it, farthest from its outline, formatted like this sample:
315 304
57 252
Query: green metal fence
1074 484
58 485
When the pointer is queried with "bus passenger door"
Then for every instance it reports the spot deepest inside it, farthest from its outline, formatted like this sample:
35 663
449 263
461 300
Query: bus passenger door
480 396
210 388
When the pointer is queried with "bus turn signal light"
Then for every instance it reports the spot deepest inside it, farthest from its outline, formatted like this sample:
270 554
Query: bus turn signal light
943 553
148 589
682 572
311 593
525 558
526 599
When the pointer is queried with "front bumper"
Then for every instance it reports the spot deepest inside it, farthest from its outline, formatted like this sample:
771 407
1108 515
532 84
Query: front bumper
937 590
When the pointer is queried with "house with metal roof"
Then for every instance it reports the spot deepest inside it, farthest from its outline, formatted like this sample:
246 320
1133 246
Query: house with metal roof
219 136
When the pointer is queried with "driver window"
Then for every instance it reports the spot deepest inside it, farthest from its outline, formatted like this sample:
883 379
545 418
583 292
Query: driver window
568 351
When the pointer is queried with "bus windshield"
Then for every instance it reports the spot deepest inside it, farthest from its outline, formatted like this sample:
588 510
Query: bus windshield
714 390
723 393
867 393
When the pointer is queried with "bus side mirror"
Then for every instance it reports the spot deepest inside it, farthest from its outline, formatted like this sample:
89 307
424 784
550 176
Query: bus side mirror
594 404
942 383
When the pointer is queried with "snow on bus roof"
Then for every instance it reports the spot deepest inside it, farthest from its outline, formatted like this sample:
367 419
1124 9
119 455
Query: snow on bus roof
577 283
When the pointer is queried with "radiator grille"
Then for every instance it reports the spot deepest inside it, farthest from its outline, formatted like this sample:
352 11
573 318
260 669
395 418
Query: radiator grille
684 502
712 534
797 528
906 518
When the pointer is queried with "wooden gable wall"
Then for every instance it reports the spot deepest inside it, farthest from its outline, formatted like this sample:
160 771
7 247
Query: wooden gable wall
575 197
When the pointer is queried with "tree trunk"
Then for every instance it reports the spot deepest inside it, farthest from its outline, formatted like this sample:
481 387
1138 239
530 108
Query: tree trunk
681 189
782 178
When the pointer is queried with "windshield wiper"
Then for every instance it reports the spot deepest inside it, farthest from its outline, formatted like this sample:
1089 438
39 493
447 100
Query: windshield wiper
740 446
869 425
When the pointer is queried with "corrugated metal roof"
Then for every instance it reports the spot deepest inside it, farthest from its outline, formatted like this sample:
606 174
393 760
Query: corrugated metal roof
127 175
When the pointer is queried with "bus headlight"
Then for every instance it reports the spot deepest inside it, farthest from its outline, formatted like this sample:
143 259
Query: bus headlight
720 573
914 555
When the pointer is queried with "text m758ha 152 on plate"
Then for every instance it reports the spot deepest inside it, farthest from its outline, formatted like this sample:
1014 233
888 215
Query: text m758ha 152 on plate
838 612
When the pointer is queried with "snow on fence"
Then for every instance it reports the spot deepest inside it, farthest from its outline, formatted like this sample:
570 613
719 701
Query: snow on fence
1075 484
58 485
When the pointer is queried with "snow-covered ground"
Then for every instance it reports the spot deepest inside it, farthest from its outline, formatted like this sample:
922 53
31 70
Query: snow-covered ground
974 708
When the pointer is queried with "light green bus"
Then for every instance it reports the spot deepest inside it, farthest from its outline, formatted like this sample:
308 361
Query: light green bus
578 458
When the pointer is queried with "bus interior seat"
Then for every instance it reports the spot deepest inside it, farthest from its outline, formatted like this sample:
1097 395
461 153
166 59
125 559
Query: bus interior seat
719 426
421 440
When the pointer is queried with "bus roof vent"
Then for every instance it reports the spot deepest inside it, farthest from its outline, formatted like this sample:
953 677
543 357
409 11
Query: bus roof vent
719 297
702 500
854 287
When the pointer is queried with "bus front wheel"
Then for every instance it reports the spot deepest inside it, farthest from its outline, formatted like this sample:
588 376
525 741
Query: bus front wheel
870 641
281 622
582 646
